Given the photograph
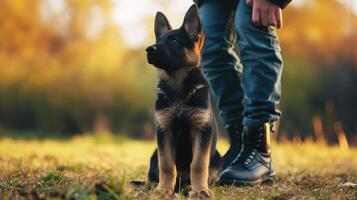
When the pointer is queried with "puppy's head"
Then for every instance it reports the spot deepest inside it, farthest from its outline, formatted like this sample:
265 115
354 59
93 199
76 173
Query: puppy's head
178 48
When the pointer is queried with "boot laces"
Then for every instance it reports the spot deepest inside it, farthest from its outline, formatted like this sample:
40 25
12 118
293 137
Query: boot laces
235 134
250 157
248 151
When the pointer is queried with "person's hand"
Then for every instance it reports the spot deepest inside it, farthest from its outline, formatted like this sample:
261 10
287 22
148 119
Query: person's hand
266 13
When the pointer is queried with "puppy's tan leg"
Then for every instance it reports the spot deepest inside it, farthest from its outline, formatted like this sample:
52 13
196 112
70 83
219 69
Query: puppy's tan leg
167 167
200 163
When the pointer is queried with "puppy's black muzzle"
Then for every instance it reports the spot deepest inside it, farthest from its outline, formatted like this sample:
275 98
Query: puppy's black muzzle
151 49
151 53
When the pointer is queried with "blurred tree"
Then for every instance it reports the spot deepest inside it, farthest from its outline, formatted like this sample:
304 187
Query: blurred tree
320 67
65 67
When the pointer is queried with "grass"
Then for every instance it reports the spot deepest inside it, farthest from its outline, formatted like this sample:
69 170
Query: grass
101 167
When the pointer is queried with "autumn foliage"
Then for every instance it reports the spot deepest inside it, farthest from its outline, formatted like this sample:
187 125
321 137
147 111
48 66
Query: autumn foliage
64 67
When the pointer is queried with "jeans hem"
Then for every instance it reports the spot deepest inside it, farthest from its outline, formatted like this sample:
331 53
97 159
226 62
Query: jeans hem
256 123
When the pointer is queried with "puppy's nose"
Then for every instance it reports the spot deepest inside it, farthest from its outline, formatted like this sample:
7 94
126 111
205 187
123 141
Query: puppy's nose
151 49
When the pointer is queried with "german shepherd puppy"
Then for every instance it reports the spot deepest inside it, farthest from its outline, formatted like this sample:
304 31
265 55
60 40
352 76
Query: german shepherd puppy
184 124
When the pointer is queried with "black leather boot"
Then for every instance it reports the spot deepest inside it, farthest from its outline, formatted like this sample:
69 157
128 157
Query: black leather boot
235 138
253 164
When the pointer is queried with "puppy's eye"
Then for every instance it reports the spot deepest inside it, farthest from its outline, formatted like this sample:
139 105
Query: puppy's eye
173 40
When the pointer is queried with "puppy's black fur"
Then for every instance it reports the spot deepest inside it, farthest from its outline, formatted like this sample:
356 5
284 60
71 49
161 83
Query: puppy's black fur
184 125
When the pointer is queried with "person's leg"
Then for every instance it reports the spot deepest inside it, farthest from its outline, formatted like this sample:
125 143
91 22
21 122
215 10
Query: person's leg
262 68
222 69
219 60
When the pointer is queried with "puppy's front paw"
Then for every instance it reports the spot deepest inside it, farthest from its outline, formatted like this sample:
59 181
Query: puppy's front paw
164 192
200 194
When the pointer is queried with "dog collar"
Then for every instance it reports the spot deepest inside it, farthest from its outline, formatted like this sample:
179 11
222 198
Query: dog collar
160 91
190 94
194 90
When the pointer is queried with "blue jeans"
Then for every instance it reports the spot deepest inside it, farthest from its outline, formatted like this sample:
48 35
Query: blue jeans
247 90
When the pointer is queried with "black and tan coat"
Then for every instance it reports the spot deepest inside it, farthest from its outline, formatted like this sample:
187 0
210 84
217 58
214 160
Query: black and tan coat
186 137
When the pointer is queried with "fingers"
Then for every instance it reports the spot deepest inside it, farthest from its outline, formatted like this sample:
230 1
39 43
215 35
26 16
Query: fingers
279 18
272 20
249 2
256 16
267 17
264 18
266 14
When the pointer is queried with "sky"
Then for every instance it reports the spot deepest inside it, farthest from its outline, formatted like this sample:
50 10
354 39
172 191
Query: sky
132 16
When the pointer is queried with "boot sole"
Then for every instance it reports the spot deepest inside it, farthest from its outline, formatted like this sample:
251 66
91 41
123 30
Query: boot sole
268 178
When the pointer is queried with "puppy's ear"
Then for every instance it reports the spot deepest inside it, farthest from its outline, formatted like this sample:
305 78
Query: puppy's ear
192 23
162 25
